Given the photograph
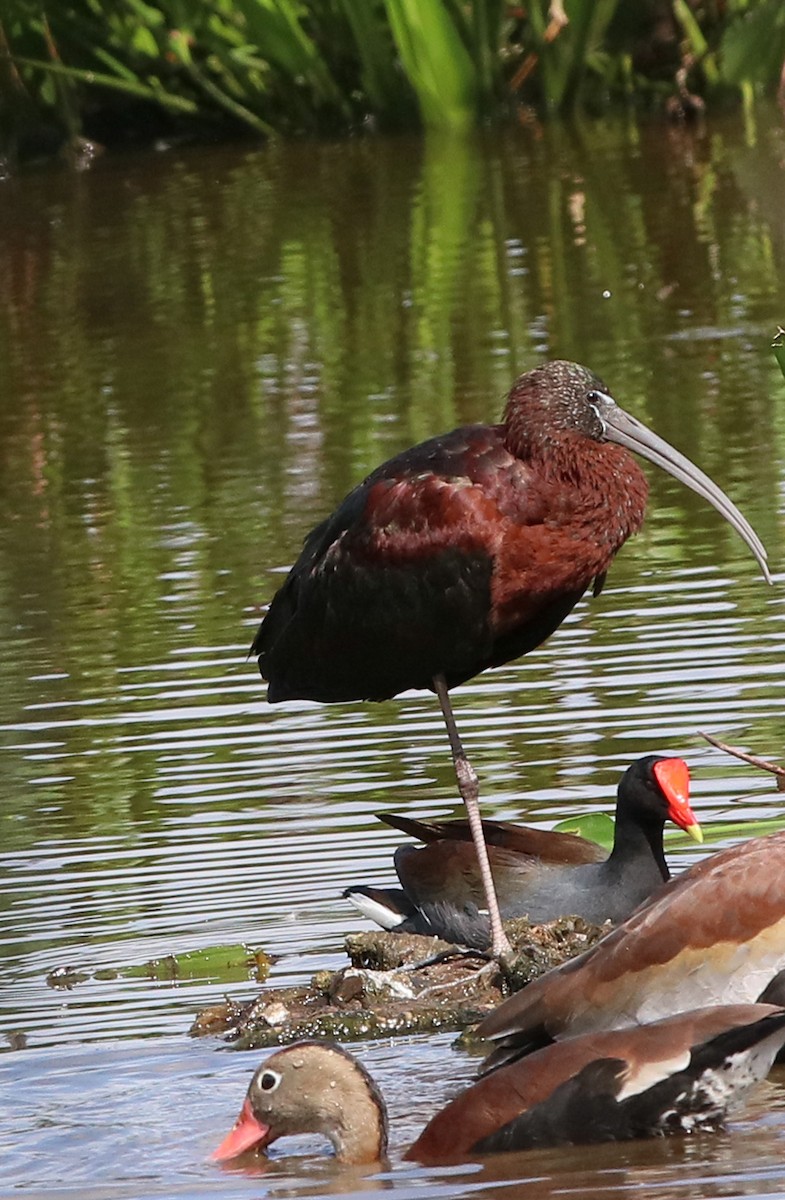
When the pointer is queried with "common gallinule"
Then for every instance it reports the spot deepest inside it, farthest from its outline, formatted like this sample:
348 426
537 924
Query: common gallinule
716 934
679 1074
538 873
467 551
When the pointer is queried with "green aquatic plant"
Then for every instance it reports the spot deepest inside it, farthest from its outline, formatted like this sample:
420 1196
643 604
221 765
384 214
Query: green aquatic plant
111 69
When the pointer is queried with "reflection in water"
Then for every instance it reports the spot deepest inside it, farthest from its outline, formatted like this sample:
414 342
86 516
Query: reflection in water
199 355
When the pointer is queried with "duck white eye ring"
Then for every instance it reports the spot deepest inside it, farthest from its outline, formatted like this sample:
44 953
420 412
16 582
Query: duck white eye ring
269 1080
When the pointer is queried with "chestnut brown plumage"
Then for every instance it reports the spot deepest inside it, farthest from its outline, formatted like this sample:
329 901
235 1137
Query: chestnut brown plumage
467 551
676 1075
716 934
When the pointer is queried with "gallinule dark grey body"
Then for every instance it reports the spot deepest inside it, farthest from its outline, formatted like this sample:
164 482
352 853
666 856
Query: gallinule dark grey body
677 1075
714 935
392 909
539 874
467 551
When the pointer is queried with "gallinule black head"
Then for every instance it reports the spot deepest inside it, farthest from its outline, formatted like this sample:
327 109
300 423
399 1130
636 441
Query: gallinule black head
676 1075
716 934
466 552
539 874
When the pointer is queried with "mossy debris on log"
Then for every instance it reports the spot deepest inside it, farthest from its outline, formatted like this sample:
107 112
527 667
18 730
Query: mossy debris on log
397 983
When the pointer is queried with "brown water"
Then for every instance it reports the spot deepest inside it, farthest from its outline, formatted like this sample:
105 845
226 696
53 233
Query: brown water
200 352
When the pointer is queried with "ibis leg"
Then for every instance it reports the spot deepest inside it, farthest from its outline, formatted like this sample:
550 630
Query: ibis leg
468 786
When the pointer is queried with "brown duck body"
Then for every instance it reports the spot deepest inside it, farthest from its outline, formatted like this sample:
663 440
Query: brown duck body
715 934
609 1086
677 1075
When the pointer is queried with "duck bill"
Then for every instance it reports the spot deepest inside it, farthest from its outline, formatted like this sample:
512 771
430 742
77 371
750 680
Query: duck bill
620 427
248 1134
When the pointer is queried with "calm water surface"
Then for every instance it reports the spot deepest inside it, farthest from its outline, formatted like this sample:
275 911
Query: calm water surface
200 352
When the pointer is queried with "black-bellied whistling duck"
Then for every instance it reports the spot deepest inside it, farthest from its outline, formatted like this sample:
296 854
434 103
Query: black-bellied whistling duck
538 874
716 934
676 1075
467 551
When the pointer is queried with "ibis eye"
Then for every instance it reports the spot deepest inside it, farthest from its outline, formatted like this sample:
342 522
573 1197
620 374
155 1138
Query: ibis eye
269 1081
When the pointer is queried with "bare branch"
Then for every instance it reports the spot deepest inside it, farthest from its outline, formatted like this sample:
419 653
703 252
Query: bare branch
752 759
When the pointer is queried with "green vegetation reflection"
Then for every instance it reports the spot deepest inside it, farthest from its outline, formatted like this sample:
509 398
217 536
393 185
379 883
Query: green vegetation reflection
199 358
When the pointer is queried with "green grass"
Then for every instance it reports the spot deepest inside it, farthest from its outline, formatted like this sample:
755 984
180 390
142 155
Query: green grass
117 69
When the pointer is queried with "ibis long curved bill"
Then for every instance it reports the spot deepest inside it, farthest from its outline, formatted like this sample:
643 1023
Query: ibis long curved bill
629 432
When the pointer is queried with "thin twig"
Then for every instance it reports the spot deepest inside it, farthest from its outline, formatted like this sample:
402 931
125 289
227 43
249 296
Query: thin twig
454 953
467 981
752 759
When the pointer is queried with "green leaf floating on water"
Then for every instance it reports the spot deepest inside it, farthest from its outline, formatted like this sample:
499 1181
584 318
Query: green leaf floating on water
218 964
595 827
214 964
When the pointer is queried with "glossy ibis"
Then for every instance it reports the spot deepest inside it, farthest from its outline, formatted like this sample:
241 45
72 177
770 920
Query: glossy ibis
716 934
675 1075
539 874
467 551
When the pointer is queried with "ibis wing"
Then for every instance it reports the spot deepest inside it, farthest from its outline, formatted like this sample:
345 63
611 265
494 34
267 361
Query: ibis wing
397 585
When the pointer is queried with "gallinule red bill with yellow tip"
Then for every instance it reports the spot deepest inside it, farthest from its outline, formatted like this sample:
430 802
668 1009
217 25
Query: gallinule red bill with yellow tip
467 551
539 874
679 1074
716 934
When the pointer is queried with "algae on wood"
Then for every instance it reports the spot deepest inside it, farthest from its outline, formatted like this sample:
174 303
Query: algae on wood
397 983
